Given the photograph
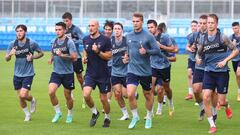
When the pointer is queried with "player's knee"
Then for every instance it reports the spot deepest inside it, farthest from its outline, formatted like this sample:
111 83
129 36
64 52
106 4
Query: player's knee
23 96
222 102
238 74
131 96
147 95
118 95
103 99
206 98
160 91
51 93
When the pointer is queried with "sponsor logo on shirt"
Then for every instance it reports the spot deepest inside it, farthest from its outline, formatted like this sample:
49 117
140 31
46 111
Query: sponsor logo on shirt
114 51
60 49
212 46
22 51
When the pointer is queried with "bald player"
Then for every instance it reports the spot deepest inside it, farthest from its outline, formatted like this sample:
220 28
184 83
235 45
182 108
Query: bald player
96 53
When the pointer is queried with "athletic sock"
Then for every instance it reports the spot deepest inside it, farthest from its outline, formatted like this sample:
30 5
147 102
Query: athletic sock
107 116
159 106
149 114
124 111
57 108
25 110
211 122
135 113
190 91
94 110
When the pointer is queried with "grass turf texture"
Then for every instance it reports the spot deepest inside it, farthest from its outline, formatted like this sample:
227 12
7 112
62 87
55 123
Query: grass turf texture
183 122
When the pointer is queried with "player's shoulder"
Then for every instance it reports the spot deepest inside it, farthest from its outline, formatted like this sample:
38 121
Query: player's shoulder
86 37
32 41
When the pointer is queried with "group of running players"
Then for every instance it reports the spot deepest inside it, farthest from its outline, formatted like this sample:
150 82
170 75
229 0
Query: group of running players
118 64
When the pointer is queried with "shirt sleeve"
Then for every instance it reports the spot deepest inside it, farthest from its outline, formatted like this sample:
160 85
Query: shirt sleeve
10 46
80 35
35 46
71 47
154 49
108 45
173 41
190 39
167 40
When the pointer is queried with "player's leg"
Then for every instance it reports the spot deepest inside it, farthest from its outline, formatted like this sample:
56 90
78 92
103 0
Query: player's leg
197 89
132 83
78 69
190 77
208 88
214 105
117 87
222 80
237 73
54 83
148 94
160 94
104 89
22 93
68 84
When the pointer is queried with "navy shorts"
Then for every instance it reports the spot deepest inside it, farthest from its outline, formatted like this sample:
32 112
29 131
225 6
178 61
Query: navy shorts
145 81
235 65
164 74
219 80
109 70
102 86
118 80
191 65
77 66
22 82
157 73
198 76
67 80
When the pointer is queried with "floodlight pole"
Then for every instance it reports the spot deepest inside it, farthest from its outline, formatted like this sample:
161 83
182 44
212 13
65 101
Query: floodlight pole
232 9
46 12
155 9
12 10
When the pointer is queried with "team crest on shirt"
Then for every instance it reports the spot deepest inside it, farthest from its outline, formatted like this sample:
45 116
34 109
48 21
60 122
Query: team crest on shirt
99 44
129 41
86 47
113 46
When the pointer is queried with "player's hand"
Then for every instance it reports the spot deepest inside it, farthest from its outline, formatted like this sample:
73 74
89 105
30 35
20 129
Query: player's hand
198 61
58 52
84 60
13 51
29 57
161 46
95 48
142 50
125 58
221 64
234 42
50 62
193 48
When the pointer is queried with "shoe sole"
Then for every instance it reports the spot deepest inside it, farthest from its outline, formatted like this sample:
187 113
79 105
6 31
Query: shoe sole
148 127
123 119
68 122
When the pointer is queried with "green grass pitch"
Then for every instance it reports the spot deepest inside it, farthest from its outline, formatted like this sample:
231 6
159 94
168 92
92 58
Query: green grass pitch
183 122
